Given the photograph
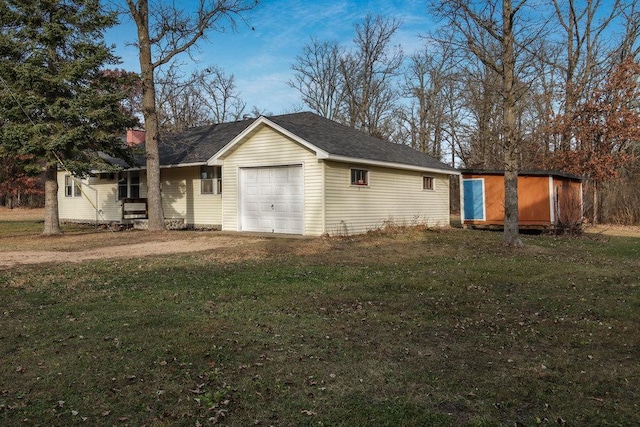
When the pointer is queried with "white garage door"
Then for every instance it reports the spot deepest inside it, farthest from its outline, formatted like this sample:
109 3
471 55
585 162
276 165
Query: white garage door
271 199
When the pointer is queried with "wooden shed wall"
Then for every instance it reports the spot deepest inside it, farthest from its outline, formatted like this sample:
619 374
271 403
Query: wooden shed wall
534 199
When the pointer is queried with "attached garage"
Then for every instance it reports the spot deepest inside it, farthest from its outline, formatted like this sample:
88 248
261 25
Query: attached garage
272 199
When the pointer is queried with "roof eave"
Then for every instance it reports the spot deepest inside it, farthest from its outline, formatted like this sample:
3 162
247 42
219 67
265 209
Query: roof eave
346 159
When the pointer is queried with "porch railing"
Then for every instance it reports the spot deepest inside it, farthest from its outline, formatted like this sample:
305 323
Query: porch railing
134 209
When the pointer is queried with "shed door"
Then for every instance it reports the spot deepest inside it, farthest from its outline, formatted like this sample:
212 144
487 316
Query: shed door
473 193
271 199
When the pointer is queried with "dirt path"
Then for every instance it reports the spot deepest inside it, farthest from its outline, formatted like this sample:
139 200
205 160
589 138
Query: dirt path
136 250
78 248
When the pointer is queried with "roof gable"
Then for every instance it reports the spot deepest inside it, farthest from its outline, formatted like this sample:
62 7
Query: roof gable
252 129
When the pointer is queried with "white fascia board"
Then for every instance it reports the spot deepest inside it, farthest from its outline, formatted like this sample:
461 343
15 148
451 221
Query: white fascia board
262 120
179 165
183 165
345 159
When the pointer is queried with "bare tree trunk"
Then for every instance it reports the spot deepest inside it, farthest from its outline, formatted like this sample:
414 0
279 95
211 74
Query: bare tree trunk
51 218
175 31
596 204
511 231
150 113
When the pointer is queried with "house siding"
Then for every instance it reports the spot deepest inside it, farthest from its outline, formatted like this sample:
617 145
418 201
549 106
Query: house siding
392 196
270 148
99 192
181 198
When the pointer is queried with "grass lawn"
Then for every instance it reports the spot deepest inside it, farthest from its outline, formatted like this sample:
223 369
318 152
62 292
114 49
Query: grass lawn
413 328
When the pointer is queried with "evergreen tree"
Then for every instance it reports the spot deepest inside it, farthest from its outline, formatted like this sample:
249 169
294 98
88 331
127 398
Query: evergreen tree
57 102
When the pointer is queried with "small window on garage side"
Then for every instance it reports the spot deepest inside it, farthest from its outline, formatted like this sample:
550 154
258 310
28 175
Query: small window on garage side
428 183
359 177
71 187
210 180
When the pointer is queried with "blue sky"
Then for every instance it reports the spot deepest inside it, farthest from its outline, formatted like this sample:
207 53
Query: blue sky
261 59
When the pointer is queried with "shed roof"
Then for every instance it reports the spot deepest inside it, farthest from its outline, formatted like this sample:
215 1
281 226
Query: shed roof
558 174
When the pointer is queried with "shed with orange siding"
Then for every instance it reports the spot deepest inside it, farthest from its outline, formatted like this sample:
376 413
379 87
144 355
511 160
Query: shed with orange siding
546 200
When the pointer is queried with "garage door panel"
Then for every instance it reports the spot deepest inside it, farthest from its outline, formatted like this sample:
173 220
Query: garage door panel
250 175
295 208
251 223
296 224
281 175
271 199
280 208
265 207
251 207
265 190
264 174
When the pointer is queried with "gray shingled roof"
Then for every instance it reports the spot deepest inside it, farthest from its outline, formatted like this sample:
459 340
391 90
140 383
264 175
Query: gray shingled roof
341 140
537 172
199 144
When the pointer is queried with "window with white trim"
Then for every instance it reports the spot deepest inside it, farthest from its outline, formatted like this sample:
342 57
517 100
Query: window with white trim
71 187
428 183
210 180
359 177
129 185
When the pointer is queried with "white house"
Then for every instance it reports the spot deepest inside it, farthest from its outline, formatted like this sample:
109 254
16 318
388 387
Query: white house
296 173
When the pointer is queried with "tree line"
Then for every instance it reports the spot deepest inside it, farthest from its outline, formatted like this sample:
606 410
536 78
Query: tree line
501 84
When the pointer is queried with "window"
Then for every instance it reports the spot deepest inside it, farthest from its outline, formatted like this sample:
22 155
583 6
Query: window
71 187
210 180
359 177
129 185
427 182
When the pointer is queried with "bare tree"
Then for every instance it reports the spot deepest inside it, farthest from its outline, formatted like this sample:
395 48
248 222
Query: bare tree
204 97
428 82
497 34
584 26
176 100
165 31
369 74
318 78
629 48
219 95
481 99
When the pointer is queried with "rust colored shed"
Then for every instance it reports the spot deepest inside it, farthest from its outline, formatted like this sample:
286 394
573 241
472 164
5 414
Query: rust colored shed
546 200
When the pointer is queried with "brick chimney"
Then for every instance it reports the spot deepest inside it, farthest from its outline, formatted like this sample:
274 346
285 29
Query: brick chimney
135 137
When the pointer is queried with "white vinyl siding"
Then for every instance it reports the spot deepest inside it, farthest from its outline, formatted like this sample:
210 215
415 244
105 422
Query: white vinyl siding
182 198
103 193
268 148
393 195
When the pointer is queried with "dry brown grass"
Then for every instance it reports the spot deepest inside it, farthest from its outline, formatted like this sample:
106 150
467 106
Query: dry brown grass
398 327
